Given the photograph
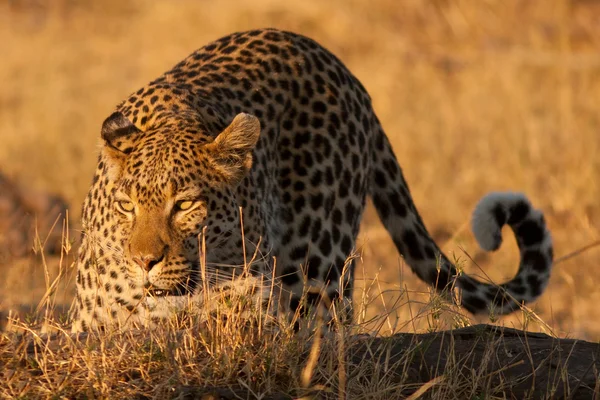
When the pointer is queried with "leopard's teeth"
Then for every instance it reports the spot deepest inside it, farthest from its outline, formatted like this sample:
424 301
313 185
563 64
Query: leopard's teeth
158 293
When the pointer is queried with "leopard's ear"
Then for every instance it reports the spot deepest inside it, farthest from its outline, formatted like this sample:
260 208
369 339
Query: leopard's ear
232 149
119 133
119 136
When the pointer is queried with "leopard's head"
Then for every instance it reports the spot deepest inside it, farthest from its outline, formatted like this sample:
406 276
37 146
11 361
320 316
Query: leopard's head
171 187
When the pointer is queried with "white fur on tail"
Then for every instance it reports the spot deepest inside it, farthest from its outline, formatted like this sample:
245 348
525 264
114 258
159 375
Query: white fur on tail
484 223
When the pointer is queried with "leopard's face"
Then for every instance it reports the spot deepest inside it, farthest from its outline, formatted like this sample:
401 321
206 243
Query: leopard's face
170 192
160 227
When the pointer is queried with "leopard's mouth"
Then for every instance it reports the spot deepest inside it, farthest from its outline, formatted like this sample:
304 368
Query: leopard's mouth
163 293
181 289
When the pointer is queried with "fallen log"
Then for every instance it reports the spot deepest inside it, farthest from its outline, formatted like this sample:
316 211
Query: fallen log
521 364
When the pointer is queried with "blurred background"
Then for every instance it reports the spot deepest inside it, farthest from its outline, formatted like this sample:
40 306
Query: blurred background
475 96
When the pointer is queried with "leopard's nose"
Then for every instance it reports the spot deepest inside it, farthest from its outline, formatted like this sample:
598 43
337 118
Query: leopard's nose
148 261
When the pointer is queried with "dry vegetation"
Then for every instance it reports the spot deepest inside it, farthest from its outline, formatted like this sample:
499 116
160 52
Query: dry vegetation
474 95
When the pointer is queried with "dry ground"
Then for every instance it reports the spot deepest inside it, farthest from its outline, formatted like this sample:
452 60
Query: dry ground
475 96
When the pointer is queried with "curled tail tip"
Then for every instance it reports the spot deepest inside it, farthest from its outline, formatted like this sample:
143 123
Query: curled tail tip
535 245
492 212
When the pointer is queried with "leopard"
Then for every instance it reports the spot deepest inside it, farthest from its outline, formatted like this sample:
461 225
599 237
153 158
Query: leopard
251 160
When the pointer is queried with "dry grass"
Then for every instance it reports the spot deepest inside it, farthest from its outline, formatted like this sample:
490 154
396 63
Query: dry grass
474 95
229 356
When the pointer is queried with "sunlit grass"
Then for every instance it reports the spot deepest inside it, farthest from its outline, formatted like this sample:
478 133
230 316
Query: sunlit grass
222 351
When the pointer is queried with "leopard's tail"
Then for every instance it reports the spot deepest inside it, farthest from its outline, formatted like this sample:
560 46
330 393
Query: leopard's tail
398 213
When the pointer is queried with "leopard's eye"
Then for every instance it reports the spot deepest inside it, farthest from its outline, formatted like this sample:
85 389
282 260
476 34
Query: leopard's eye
184 205
125 206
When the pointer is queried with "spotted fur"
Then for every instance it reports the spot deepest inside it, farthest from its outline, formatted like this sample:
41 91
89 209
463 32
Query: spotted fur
270 123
